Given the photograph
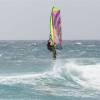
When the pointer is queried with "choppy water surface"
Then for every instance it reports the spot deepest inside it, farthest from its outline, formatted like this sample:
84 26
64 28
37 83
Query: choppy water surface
28 71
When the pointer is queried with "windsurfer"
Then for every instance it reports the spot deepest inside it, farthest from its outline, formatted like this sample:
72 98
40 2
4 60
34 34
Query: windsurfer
52 47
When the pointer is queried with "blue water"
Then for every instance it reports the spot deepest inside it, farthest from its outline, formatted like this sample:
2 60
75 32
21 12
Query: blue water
28 71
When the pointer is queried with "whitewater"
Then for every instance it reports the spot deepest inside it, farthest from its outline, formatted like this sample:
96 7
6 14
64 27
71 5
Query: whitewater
28 71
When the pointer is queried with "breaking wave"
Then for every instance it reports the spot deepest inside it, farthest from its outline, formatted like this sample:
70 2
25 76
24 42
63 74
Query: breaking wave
68 78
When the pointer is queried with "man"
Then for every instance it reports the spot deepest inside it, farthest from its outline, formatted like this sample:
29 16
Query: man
52 47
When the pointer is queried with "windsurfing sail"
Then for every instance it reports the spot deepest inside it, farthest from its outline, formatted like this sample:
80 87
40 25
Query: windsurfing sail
55 28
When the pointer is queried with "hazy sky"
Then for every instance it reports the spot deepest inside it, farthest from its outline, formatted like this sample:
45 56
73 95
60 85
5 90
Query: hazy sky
29 19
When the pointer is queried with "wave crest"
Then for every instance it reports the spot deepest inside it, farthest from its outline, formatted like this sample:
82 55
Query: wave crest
67 77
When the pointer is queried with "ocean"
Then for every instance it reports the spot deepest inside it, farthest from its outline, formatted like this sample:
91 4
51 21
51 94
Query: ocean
28 71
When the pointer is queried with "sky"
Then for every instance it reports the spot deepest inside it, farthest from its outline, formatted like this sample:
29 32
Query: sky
29 19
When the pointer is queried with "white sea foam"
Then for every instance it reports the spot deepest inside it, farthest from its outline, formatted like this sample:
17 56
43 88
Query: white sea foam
87 76
1 55
91 45
79 43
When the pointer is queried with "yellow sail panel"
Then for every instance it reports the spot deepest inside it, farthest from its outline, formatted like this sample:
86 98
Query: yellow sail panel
55 9
51 30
